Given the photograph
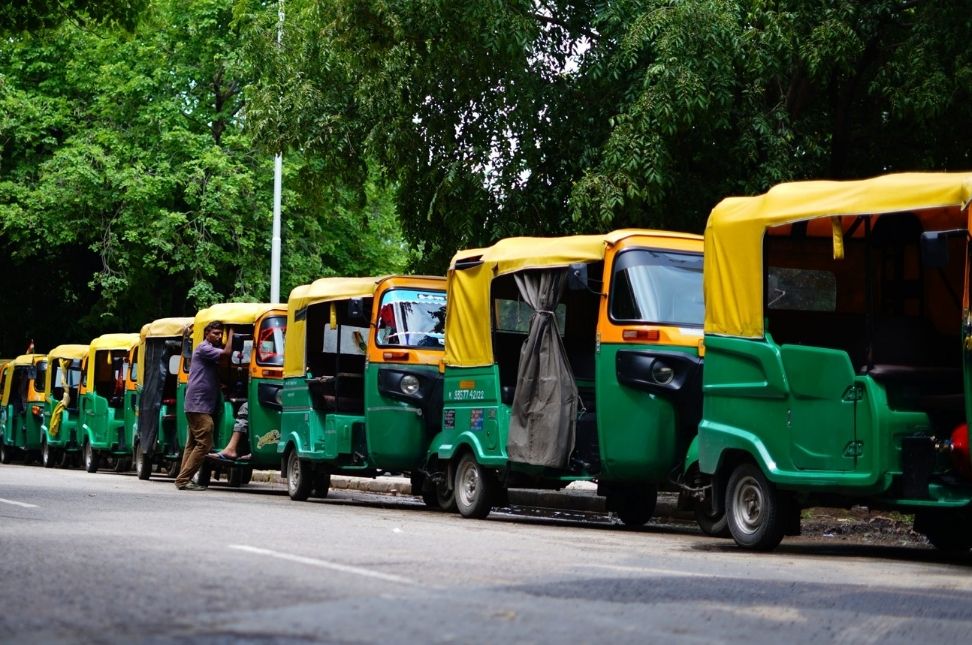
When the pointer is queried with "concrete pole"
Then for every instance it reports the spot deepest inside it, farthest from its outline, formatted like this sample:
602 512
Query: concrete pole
277 191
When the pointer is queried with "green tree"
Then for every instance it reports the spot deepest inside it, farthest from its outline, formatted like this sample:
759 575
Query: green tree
549 116
129 189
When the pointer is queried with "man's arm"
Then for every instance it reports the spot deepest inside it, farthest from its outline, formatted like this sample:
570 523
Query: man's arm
228 345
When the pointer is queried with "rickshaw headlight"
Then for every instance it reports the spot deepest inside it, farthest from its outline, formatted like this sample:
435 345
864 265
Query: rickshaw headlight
409 385
662 373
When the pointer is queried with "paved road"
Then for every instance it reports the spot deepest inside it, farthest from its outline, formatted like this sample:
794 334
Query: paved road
107 558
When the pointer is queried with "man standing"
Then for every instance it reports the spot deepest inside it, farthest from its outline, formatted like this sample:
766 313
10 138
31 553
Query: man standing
202 393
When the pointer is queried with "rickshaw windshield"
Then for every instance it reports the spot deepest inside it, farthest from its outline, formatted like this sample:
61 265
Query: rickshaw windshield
412 318
662 287
73 375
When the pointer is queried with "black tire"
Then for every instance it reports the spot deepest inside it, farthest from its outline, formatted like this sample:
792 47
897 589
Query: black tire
47 455
239 476
754 510
439 497
474 488
6 455
636 505
123 464
322 484
948 532
300 480
90 458
710 522
173 468
143 463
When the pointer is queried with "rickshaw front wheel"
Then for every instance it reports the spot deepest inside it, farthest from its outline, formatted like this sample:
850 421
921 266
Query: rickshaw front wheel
322 484
754 510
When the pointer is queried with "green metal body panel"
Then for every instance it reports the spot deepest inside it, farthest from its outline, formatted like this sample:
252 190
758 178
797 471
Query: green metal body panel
66 437
395 432
810 422
19 430
102 425
131 418
637 430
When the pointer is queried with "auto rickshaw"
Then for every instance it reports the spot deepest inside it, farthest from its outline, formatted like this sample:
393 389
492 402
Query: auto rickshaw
150 396
59 428
838 335
253 375
101 413
22 407
362 391
567 359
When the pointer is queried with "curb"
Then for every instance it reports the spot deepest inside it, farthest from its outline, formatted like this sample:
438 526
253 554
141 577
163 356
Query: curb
578 496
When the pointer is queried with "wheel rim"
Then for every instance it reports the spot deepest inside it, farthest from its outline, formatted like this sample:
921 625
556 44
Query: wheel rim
469 484
139 458
748 505
293 473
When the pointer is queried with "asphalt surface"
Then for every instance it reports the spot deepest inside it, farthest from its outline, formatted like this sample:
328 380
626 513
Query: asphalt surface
107 558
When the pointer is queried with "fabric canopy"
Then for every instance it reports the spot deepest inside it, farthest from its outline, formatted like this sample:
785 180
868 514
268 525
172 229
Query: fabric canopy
468 327
229 313
733 278
322 290
68 351
169 327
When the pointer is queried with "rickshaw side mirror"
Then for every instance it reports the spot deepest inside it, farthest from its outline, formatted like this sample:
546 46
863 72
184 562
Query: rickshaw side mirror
577 277
356 313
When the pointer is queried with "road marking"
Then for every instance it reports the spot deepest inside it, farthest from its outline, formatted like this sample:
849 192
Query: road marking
325 564
24 504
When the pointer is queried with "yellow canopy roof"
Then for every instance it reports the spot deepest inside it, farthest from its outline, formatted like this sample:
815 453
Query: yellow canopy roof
27 359
734 234
68 351
321 290
168 327
468 326
230 313
113 341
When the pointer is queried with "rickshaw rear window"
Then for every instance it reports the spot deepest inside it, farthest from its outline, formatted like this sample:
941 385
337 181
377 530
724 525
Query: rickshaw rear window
40 376
514 316
801 289
651 286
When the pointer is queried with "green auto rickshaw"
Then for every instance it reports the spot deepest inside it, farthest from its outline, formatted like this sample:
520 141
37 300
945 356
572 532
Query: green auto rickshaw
22 407
253 376
362 391
150 396
838 339
569 359
60 442
101 413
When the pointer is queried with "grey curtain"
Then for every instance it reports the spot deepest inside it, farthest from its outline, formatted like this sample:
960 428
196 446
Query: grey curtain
544 412
156 360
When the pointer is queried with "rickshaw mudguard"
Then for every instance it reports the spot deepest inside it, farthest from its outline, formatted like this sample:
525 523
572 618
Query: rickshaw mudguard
466 440
691 455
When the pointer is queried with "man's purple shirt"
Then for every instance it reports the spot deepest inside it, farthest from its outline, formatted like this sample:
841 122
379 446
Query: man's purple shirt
203 389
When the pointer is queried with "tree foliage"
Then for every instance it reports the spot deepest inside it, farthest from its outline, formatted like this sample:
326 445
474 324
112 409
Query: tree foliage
551 116
129 189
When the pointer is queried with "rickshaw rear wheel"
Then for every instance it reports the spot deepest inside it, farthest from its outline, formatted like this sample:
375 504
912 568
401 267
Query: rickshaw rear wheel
123 464
754 510
172 470
90 458
948 532
712 523
47 456
5 456
636 505
322 484
299 483
143 465
474 488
